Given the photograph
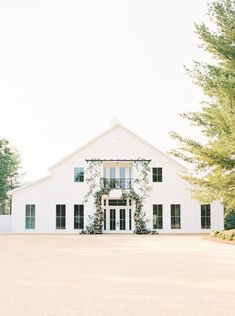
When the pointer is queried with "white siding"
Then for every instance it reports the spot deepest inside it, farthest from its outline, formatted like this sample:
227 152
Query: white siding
118 143
5 223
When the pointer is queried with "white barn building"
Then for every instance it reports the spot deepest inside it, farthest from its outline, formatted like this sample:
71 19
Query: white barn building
55 204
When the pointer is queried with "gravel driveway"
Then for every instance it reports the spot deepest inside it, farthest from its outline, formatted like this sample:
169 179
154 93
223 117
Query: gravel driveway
116 275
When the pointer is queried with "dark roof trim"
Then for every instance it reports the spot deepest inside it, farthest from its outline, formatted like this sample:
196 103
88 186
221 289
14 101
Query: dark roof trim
101 160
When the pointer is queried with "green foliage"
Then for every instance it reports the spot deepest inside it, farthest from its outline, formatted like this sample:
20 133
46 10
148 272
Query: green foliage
229 220
214 233
96 221
98 189
139 215
213 175
93 175
223 234
9 175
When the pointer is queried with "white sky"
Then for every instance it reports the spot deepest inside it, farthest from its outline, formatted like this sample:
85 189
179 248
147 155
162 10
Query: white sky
67 67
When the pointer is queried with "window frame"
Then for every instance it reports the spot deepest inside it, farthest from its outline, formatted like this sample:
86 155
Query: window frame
117 202
205 219
79 174
130 219
30 215
157 174
79 217
158 208
175 224
105 220
61 208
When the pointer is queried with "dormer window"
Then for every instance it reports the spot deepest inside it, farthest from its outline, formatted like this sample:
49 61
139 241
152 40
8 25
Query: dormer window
79 174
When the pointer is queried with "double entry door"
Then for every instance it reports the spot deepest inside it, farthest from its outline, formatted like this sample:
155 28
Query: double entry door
117 219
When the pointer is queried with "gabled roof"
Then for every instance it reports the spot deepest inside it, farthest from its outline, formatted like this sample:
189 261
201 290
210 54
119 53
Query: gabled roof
115 123
29 184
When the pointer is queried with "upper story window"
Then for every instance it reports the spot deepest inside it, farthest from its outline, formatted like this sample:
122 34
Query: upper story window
112 172
117 172
157 174
122 172
118 177
79 174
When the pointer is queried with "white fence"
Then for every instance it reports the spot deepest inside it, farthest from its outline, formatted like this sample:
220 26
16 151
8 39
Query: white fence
5 223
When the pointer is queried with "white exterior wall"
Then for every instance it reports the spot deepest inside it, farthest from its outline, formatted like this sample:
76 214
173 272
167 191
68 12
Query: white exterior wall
117 143
5 223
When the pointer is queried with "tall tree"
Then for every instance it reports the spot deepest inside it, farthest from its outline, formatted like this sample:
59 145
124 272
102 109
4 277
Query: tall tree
9 174
213 161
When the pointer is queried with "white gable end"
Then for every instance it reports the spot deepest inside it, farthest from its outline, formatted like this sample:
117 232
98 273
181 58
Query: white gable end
118 143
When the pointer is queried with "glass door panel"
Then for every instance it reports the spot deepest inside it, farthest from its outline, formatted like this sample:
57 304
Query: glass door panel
104 219
130 219
112 177
122 219
130 178
112 219
122 175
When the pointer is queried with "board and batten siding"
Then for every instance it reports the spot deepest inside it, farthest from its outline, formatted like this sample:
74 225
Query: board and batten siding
117 143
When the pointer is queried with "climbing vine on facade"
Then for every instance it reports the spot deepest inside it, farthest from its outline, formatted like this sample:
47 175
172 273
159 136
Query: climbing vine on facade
93 176
139 195
96 221
97 188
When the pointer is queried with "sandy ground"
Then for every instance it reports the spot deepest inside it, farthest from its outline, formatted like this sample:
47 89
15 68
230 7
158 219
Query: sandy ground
116 275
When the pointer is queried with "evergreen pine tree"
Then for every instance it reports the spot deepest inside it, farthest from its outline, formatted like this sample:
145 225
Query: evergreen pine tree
213 172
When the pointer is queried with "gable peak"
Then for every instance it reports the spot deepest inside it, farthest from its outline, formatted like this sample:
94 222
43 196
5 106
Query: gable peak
115 121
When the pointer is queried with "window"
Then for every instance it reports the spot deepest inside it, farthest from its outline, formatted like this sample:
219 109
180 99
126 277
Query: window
112 172
157 174
29 216
175 216
129 219
157 216
205 216
60 216
122 219
78 216
79 174
122 173
112 181
117 202
104 219
112 220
